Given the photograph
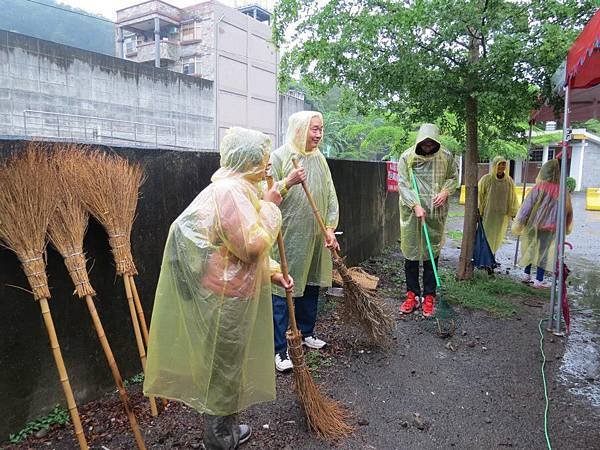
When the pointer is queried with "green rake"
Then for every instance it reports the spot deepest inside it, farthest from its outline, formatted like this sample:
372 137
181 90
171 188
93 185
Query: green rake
445 321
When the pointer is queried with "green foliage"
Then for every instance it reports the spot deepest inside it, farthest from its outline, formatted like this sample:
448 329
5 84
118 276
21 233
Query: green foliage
593 125
543 139
58 416
315 360
139 378
52 24
473 60
487 293
571 184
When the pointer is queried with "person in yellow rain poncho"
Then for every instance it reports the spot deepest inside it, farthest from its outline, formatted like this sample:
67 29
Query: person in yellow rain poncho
211 337
436 176
536 223
497 202
309 258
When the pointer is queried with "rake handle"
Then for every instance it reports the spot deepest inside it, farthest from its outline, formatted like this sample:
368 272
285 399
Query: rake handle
285 272
314 208
425 230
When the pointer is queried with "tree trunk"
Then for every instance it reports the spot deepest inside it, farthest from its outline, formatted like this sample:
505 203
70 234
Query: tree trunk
465 265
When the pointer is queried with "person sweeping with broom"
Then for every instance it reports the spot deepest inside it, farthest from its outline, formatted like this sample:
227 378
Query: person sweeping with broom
431 167
211 336
308 253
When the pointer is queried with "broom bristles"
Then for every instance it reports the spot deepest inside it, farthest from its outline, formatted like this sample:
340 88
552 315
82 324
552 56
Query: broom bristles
109 187
27 201
324 416
69 222
364 307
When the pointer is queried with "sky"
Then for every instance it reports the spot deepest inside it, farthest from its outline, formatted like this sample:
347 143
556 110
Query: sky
108 8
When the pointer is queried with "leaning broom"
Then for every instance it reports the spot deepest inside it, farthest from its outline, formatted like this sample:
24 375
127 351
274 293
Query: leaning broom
324 416
108 186
66 232
27 202
361 305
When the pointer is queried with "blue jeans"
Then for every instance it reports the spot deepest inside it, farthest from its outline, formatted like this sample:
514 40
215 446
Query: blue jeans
306 315
539 275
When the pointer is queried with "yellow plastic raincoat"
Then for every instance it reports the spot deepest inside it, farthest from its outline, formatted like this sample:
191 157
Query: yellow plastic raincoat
536 220
435 173
497 203
211 337
309 260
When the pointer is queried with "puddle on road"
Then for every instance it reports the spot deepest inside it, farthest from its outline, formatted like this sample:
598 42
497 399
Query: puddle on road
580 369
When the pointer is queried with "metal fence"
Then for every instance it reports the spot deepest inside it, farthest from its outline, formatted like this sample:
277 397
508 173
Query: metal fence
90 129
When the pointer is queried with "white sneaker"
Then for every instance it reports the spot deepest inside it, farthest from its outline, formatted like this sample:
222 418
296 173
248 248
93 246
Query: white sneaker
283 363
313 342
540 284
527 279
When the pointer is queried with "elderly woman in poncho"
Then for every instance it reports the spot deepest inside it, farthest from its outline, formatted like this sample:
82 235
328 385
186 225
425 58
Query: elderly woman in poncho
307 250
211 337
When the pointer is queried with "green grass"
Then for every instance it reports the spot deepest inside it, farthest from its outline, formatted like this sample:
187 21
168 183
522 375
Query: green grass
491 294
139 378
456 235
314 360
460 213
58 416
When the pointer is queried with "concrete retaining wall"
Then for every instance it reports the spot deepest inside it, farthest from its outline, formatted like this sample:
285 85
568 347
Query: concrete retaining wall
48 90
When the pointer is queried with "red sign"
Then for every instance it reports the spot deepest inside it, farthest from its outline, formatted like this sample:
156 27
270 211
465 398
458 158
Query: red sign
392 176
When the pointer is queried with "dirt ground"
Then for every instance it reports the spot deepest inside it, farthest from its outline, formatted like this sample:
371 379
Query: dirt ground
480 389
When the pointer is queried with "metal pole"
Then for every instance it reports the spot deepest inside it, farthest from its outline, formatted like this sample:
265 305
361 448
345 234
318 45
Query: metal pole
524 176
562 212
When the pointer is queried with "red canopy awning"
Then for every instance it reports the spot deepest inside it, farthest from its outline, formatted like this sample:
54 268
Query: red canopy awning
582 71
583 60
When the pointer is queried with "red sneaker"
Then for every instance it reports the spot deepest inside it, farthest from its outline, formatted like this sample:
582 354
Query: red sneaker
429 306
410 304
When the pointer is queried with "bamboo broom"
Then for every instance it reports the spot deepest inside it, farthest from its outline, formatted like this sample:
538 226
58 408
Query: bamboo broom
27 201
66 232
325 416
108 186
360 305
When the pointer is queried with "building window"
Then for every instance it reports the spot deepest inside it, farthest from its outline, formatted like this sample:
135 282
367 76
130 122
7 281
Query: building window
191 66
130 45
537 156
190 31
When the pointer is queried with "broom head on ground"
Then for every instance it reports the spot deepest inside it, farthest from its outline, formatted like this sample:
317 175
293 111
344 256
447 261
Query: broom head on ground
361 305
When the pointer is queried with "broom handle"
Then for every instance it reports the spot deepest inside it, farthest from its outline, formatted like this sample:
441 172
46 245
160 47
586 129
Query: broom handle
62 373
285 272
425 230
115 372
138 336
142 319
314 208
139 309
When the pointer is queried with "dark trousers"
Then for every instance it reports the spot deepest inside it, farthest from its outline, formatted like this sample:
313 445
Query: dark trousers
411 269
539 274
306 315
